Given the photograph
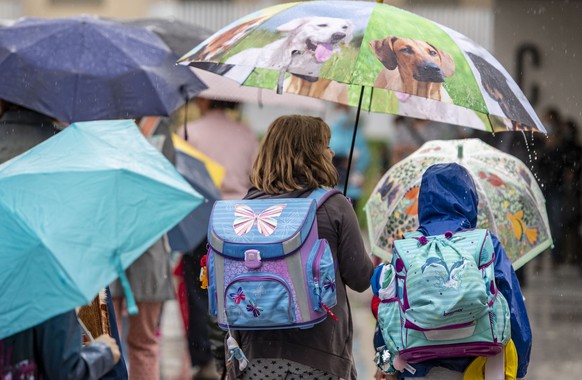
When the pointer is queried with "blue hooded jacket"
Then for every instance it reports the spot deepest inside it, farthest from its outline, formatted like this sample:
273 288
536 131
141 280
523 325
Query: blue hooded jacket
448 201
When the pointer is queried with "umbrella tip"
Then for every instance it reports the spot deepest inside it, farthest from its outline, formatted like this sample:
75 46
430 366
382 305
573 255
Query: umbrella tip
460 152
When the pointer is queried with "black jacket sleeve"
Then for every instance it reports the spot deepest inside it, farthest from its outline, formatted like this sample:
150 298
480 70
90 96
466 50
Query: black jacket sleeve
61 354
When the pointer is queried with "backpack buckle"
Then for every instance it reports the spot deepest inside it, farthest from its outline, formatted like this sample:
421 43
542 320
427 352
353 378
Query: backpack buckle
252 259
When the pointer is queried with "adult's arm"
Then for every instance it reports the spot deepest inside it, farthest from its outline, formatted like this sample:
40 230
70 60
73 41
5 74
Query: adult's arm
508 285
63 357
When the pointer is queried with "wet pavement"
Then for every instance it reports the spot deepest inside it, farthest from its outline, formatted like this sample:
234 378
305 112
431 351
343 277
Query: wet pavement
553 298
554 302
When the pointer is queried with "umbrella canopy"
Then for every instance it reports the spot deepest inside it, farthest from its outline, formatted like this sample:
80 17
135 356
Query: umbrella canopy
179 35
192 230
76 211
216 171
85 68
195 167
222 88
205 176
157 131
371 55
511 204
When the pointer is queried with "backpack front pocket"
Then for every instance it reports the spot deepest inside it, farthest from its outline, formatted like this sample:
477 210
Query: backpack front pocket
259 300
442 294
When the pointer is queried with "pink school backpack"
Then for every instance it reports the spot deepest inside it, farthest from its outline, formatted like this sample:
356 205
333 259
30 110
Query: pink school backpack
267 267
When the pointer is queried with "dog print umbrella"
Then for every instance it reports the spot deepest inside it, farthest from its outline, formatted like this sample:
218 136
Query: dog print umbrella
511 204
372 56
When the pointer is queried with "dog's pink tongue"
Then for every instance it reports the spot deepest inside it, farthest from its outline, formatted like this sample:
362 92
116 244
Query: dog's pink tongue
323 52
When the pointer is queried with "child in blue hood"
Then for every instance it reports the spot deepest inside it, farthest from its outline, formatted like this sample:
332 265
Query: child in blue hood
448 201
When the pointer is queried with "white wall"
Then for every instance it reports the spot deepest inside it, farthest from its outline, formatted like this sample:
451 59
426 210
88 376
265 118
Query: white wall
555 27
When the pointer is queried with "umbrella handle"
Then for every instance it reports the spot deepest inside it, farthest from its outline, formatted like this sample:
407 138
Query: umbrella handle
186 120
129 300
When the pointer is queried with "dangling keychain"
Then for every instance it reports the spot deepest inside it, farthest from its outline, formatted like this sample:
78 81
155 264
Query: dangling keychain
382 360
401 365
234 349
203 273
323 305
236 353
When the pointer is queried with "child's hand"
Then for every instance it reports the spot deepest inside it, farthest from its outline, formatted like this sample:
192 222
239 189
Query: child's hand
112 344
383 376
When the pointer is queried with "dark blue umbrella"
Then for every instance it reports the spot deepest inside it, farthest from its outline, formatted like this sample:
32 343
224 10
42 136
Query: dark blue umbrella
191 231
85 68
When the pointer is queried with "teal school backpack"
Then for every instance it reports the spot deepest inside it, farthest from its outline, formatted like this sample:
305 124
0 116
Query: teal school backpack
267 267
439 298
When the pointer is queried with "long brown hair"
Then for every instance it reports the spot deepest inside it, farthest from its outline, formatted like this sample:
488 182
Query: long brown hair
292 156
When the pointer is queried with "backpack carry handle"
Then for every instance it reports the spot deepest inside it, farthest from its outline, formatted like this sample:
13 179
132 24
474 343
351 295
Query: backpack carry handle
436 242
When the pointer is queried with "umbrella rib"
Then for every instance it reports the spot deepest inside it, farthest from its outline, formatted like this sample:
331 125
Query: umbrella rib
24 224
486 200
142 68
133 59
41 242
43 38
76 79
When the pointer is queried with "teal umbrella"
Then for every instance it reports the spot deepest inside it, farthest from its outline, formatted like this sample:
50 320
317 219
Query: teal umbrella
76 210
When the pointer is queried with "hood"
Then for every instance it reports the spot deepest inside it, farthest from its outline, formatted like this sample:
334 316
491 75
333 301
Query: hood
447 200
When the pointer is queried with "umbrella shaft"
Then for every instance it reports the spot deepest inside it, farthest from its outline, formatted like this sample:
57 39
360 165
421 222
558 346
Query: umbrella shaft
353 141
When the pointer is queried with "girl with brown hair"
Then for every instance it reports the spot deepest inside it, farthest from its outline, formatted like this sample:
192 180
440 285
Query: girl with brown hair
294 159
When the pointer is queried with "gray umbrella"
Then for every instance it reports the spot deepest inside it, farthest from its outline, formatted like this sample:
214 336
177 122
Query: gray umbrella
179 35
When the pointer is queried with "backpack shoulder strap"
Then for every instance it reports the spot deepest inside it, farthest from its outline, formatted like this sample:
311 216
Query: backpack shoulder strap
476 242
322 194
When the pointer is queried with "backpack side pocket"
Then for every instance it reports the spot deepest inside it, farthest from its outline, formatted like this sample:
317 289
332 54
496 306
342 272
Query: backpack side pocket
320 272
389 320
211 283
500 316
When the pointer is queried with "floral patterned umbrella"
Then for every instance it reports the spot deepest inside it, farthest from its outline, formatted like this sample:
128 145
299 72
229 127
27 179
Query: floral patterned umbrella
371 55
511 204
